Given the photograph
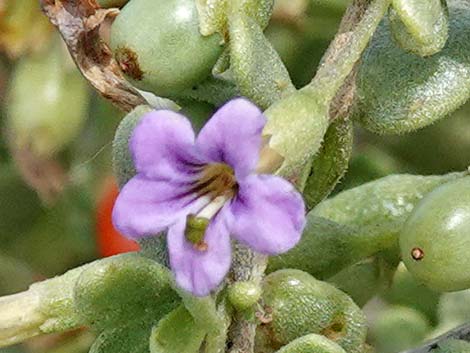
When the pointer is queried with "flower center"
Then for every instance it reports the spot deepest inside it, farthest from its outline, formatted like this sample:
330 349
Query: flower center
218 184
217 179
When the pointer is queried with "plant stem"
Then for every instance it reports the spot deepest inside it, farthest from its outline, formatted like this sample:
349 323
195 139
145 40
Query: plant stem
46 307
21 317
247 266
357 27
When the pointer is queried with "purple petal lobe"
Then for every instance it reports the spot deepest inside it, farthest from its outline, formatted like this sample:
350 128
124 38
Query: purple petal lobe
198 271
268 214
162 146
233 136
146 207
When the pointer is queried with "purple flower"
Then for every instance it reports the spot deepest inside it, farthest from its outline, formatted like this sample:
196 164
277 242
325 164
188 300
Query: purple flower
204 190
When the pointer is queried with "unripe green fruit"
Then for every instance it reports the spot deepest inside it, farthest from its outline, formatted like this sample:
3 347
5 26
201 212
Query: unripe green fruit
123 288
435 241
300 305
243 295
312 344
400 92
398 328
383 203
159 47
406 291
357 223
419 26
47 105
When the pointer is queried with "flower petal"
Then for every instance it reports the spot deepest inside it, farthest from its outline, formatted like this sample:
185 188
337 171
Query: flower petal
268 214
197 271
233 136
146 207
162 146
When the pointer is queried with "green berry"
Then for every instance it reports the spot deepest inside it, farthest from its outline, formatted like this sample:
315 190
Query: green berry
159 48
47 104
435 241
312 344
299 304
243 295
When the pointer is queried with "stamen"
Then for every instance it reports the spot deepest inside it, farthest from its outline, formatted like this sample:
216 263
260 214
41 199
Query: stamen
212 208
217 184
216 179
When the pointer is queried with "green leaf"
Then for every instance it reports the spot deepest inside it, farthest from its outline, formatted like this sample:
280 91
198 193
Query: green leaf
129 339
213 13
330 163
177 333
122 160
256 66
296 126
399 92
122 288
203 310
357 223
363 280
420 26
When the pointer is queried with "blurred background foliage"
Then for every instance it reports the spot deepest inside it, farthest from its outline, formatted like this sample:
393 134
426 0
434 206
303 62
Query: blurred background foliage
57 189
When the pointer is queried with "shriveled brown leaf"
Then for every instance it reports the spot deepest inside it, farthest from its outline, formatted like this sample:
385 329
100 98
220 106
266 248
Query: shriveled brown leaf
78 22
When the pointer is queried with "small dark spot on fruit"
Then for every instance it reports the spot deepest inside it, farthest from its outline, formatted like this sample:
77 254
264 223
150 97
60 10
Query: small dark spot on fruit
334 331
417 254
194 88
128 62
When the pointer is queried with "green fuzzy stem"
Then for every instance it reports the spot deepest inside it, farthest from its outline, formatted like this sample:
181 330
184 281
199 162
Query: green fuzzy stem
332 73
46 307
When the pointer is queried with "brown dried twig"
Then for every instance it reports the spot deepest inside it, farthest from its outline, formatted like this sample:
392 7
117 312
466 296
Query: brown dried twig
78 22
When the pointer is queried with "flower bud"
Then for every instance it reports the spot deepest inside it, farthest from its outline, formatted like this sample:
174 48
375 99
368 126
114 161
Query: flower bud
243 295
